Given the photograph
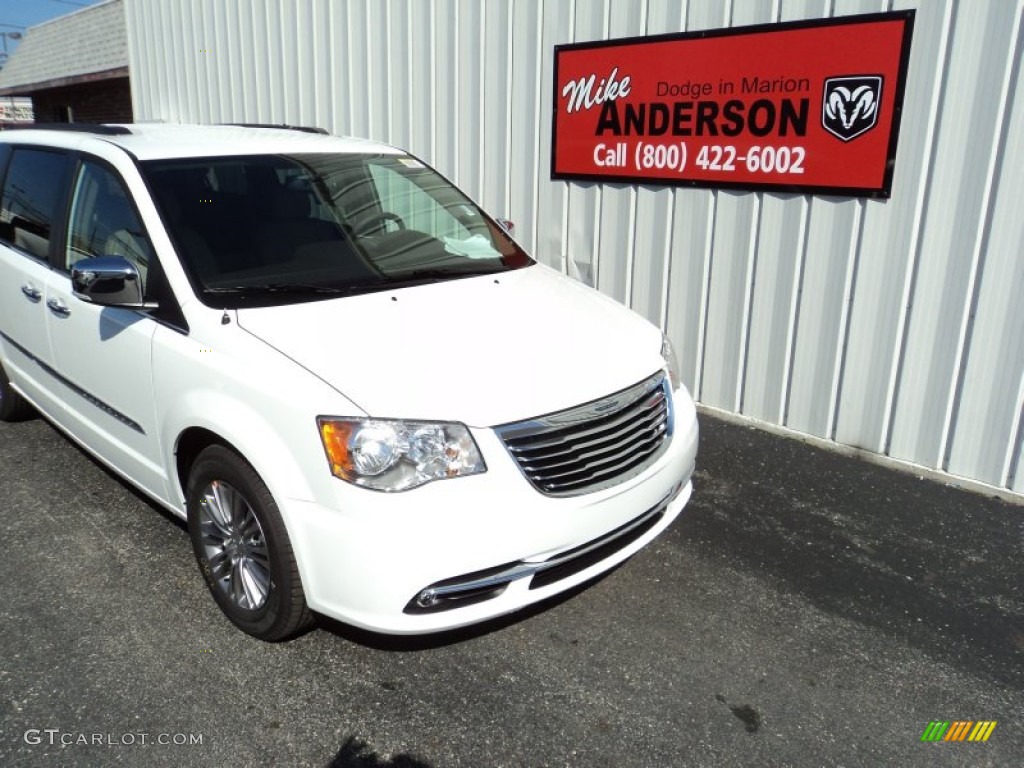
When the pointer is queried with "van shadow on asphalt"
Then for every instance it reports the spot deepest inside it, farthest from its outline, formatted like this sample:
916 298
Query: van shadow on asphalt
356 754
936 565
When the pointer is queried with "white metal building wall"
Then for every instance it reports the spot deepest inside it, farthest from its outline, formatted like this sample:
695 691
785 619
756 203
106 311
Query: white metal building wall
895 326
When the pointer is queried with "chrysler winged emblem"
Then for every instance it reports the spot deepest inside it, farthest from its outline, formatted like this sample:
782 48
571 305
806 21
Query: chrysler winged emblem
850 105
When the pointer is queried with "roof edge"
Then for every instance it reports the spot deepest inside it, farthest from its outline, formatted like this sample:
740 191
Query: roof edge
27 89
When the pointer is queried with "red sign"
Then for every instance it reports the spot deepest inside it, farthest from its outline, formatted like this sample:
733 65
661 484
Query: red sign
810 106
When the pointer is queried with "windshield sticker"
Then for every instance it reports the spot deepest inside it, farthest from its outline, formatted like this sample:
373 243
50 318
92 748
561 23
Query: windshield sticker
473 247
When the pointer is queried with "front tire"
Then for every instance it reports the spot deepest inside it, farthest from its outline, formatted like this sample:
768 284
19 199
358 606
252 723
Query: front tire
12 405
242 547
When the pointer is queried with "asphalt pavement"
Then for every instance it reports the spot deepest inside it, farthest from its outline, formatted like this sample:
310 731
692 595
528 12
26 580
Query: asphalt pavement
806 609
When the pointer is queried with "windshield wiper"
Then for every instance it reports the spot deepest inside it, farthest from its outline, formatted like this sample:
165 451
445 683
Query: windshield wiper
399 280
278 288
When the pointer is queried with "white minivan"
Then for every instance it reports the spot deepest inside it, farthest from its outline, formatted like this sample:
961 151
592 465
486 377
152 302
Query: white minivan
364 397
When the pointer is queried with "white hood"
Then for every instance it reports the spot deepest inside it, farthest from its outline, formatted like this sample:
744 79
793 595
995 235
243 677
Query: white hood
481 350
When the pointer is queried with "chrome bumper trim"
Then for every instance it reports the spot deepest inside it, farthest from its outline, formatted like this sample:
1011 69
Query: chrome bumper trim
434 598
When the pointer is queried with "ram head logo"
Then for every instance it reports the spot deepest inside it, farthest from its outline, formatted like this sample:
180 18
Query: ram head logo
850 105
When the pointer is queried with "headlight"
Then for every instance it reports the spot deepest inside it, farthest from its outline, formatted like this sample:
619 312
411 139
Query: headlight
671 364
389 455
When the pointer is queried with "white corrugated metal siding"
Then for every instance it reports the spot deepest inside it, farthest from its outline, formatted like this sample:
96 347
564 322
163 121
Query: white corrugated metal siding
895 326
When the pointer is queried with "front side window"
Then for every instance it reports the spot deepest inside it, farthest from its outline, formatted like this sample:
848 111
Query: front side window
31 194
104 222
268 229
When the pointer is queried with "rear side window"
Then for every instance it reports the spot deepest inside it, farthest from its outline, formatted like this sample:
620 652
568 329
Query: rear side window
32 191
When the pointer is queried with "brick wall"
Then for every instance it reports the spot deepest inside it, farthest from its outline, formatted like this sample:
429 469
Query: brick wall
103 101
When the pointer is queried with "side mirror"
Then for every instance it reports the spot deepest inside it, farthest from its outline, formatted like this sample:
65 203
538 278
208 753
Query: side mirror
110 281
508 225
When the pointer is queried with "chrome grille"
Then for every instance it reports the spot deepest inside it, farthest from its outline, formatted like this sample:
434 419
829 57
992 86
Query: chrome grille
595 445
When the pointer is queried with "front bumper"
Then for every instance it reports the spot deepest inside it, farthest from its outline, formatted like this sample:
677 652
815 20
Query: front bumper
372 563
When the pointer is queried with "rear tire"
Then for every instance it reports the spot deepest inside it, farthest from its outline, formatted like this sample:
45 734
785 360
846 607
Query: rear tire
242 547
13 406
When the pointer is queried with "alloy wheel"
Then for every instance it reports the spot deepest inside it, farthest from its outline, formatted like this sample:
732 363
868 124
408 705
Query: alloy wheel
234 546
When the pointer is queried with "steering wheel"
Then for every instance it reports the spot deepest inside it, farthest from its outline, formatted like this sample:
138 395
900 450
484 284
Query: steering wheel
378 221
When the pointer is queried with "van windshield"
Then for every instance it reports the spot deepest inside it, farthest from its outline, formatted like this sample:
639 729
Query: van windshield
259 230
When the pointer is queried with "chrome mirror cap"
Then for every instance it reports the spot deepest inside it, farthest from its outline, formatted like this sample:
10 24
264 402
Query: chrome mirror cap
110 281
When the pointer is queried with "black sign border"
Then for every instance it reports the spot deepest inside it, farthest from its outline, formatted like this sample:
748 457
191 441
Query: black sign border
883 192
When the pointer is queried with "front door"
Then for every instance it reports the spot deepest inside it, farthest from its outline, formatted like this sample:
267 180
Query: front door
104 353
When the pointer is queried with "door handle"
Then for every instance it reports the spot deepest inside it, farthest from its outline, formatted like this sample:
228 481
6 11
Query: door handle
31 292
58 307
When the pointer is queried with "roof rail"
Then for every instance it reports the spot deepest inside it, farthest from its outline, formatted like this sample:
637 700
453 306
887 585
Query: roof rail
303 128
97 128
